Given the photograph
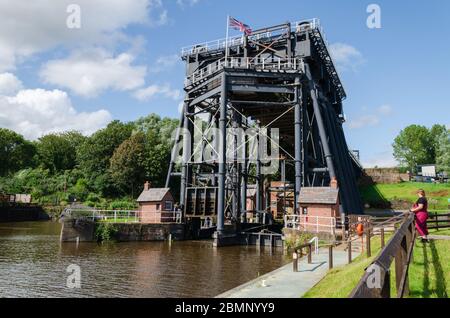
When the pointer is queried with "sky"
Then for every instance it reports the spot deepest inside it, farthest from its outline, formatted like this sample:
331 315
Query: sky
122 61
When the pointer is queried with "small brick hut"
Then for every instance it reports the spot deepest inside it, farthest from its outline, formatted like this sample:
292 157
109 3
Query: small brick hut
318 205
156 205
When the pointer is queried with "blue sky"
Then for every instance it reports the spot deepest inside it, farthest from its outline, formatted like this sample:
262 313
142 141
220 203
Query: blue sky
123 63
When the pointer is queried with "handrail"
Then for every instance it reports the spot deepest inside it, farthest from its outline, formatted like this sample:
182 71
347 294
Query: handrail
400 247
259 63
239 40
315 240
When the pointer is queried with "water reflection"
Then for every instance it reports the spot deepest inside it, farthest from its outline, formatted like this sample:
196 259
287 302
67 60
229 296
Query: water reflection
33 264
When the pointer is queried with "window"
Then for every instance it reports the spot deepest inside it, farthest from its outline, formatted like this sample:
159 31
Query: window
168 206
158 207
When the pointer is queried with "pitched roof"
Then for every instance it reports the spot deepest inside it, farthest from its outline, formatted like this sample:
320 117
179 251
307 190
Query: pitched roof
153 195
319 195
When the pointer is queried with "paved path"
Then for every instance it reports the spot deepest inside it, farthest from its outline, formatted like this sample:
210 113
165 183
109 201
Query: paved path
284 283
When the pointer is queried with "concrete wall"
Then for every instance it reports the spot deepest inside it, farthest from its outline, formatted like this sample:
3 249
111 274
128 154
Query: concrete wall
77 230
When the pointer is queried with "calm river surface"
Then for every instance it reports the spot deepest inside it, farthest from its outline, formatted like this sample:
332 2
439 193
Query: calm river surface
33 263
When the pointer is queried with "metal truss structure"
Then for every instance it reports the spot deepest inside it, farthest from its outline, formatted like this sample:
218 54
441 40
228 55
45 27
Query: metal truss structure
277 88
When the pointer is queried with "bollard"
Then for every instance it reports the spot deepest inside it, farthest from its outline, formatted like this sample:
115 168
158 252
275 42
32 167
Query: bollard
295 261
349 251
330 257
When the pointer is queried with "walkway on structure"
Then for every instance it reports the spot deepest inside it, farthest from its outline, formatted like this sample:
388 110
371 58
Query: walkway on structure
285 283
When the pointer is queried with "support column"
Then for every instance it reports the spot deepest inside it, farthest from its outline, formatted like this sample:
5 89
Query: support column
236 169
258 175
175 150
222 155
244 177
187 142
320 124
298 143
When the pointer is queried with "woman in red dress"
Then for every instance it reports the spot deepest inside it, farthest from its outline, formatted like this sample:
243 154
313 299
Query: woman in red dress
421 211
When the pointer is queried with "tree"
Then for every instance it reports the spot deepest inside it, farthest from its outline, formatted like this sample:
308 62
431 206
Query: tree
436 133
58 152
93 156
414 146
16 153
128 164
443 152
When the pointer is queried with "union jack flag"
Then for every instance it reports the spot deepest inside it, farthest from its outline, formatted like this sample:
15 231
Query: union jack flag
237 25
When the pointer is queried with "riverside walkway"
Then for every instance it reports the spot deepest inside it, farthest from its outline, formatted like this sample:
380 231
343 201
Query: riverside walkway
285 283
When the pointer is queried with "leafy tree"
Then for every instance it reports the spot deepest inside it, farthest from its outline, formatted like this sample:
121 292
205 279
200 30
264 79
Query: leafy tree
414 146
128 163
93 156
436 133
15 152
58 152
443 152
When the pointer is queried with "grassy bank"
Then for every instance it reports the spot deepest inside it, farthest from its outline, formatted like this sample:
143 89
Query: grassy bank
403 195
429 274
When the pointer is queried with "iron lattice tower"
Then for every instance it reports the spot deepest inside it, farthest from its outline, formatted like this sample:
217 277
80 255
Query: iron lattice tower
280 78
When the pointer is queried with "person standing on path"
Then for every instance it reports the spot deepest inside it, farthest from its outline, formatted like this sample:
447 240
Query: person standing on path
421 211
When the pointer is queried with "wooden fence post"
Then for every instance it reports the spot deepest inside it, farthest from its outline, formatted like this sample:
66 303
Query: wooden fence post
436 221
330 257
349 251
368 250
295 261
383 243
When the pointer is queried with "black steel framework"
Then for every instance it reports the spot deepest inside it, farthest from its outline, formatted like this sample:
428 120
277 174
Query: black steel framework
280 77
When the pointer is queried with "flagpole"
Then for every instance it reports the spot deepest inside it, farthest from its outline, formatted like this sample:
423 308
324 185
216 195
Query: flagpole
226 40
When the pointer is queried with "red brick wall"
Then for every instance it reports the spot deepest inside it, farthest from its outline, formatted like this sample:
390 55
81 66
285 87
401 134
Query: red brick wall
149 214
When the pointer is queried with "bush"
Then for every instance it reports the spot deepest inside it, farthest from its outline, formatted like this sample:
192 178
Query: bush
122 205
105 232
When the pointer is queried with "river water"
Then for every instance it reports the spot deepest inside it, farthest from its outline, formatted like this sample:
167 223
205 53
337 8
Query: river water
33 263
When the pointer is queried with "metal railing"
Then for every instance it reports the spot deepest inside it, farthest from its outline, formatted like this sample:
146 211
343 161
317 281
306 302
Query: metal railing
124 216
220 44
315 224
254 63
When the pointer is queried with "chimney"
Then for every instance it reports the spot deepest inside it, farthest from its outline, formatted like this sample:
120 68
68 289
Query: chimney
334 183
147 186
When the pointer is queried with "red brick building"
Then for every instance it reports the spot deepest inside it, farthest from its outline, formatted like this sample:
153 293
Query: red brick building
156 205
319 206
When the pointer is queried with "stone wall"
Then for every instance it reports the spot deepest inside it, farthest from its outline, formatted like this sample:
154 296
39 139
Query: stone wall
80 230
17 212
383 176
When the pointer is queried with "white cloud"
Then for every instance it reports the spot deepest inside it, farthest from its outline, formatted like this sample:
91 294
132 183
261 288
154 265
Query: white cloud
184 3
346 57
151 91
9 84
36 112
370 119
30 27
88 73
385 110
164 63
364 121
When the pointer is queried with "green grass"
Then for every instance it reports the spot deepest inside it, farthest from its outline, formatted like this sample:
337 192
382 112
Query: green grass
403 195
429 273
120 220
339 282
